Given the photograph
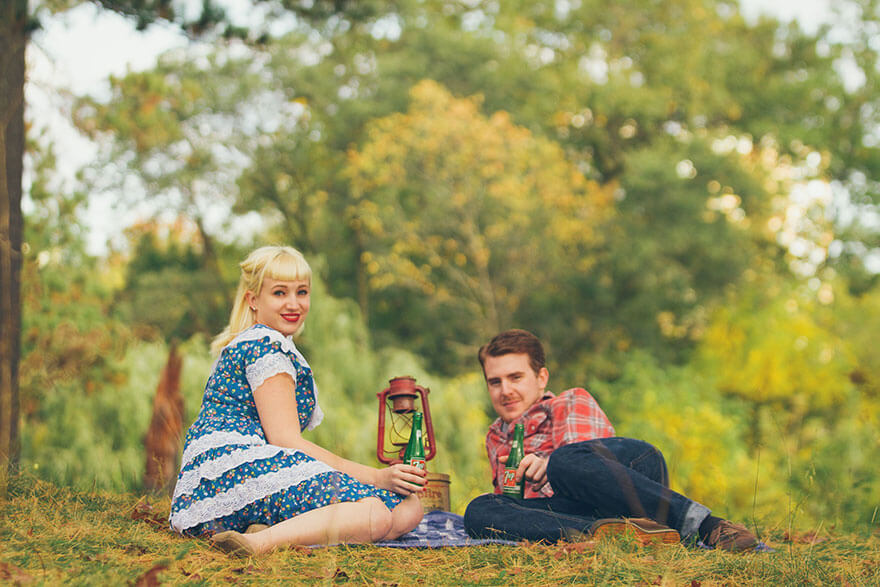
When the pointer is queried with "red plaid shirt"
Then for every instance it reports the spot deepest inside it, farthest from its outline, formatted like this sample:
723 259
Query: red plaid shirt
574 416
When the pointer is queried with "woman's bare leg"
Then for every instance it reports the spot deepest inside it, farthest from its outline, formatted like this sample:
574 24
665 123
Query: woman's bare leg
367 520
405 517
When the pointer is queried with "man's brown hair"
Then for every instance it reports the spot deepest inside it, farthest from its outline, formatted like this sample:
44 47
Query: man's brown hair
514 341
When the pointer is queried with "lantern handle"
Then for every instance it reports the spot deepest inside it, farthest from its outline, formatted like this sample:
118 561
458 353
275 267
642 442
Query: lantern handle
429 424
380 440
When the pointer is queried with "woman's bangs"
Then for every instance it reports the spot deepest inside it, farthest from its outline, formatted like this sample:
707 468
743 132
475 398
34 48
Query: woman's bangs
287 267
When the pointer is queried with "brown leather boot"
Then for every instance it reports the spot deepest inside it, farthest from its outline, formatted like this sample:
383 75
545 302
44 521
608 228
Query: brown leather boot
732 537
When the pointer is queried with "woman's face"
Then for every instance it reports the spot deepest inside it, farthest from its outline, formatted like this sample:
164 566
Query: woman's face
282 305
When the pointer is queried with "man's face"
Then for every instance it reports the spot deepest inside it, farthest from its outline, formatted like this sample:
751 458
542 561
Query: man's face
513 386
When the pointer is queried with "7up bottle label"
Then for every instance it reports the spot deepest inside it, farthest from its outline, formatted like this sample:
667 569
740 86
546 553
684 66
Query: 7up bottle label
510 486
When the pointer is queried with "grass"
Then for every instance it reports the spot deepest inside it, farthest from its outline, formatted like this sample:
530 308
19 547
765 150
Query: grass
54 535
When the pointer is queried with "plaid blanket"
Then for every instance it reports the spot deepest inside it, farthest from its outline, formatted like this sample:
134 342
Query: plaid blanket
439 529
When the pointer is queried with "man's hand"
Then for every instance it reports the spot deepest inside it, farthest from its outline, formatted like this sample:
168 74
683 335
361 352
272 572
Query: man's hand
533 467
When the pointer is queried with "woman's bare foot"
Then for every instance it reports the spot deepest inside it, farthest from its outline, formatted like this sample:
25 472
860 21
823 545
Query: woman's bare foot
234 543
255 528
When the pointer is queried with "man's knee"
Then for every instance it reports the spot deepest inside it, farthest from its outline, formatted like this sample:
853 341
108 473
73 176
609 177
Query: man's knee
580 457
652 464
476 510
598 456
479 516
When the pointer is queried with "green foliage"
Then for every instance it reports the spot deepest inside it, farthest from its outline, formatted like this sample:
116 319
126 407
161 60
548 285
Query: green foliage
841 462
641 99
95 439
68 338
173 290
777 347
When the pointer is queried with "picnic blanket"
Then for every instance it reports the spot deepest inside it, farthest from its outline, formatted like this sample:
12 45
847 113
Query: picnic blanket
438 529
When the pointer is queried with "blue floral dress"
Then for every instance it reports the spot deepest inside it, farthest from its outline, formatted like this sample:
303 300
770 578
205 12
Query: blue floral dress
230 477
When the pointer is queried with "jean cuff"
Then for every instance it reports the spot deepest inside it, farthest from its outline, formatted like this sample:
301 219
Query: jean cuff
693 517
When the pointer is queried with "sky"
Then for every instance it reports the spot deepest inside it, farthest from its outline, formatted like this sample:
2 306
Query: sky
77 51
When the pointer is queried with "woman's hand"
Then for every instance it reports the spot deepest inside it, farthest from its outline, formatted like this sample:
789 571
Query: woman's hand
402 479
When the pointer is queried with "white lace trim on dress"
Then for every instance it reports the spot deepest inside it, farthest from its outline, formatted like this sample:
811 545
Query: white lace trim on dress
267 366
213 469
255 333
317 414
245 493
216 440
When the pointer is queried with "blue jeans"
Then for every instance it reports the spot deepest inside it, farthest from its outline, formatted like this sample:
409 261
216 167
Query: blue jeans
602 478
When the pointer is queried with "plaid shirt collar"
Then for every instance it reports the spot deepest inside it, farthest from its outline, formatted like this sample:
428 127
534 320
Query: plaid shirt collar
531 418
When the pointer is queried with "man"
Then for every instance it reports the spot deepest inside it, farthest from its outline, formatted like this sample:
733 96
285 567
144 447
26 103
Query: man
578 475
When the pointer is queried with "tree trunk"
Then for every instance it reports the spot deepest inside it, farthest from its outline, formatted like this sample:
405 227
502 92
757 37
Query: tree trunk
162 443
13 38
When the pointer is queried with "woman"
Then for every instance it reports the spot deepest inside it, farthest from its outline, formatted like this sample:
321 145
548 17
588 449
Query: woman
245 461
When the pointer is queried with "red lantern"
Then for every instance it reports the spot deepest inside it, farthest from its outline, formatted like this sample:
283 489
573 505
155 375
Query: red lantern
398 401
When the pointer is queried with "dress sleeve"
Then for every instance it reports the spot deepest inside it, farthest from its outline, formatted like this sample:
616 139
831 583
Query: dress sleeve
264 359
578 417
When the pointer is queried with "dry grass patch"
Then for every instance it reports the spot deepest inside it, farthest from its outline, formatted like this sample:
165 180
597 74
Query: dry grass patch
53 535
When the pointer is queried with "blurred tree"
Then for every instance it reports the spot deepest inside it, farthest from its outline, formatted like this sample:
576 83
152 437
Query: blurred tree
363 74
775 346
462 215
172 290
351 77
176 138
680 102
14 29
690 223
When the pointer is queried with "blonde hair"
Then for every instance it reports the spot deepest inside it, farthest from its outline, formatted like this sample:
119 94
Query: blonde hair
275 262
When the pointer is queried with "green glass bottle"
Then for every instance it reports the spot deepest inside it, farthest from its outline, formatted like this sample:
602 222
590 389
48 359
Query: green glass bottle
511 486
415 448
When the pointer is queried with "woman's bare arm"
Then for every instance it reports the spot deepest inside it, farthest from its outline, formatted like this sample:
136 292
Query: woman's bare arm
276 406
